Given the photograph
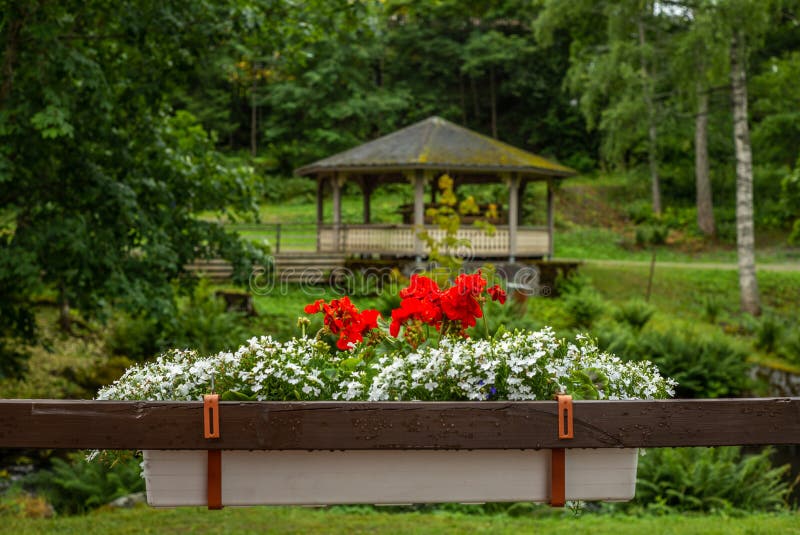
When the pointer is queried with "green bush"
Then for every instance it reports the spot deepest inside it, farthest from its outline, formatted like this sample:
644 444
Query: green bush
712 306
583 308
790 345
709 480
200 322
635 313
651 234
78 486
134 337
769 333
705 366
203 324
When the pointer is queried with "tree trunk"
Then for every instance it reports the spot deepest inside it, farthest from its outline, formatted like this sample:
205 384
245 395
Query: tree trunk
705 206
745 233
475 108
463 101
652 155
493 98
64 318
10 52
253 116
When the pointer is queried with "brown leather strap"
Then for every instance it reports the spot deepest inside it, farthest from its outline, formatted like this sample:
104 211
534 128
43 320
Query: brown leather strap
211 416
564 416
558 468
211 430
215 479
558 456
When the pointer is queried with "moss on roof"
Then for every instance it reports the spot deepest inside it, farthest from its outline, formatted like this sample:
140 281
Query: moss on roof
436 143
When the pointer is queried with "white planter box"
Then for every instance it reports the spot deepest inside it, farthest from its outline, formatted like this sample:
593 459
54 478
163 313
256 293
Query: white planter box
176 478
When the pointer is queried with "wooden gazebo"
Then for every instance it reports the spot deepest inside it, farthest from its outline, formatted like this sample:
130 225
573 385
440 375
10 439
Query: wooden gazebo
418 154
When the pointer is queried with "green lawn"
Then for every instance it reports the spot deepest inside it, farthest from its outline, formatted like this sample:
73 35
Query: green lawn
293 520
683 292
606 244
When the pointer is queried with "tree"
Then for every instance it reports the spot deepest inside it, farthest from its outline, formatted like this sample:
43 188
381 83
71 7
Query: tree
745 22
101 183
699 62
615 73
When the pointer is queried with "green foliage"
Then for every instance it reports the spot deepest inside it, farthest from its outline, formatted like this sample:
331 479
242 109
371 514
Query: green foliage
77 486
704 365
712 306
635 313
769 333
583 307
654 234
709 480
104 182
203 324
18 281
791 199
200 322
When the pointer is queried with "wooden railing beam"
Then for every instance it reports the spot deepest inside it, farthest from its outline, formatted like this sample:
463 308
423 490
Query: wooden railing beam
397 425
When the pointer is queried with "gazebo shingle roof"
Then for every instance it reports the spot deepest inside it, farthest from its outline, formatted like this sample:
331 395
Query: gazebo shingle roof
436 143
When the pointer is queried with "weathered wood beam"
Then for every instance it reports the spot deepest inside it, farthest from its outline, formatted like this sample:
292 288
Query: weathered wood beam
397 425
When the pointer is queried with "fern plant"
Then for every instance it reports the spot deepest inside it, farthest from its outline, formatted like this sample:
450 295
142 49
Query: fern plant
710 480
77 486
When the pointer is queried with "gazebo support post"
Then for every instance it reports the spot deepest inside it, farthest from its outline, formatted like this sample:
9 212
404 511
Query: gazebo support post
366 191
336 185
419 212
521 196
512 181
550 219
320 208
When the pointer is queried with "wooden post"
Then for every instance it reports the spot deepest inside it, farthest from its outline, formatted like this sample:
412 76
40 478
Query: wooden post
419 212
366 191
512 181
550 218
521 196
320 208
336 185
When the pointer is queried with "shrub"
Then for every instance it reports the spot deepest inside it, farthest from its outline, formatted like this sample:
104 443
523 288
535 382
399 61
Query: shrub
77 486
583 308
710 480
705 366
200 322
654 234
635 313
769 333
134 337
790 345
712 306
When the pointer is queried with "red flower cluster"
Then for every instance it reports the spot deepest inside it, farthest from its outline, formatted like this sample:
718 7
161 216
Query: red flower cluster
344 319
421 301
459 306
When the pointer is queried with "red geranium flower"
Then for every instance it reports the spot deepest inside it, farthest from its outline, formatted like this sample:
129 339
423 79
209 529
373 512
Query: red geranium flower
460 302
421 302
343 318
497 294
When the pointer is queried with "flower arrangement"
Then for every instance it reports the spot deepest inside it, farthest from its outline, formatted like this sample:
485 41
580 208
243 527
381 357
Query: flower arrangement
423 353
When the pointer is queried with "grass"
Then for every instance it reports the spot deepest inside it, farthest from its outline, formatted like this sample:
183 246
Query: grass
682 292
295 520
597 243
